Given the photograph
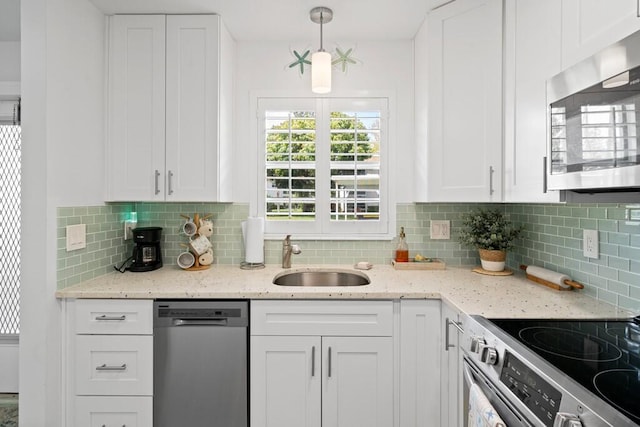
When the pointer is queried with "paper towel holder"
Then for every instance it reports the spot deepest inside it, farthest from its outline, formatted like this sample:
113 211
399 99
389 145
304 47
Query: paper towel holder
247 265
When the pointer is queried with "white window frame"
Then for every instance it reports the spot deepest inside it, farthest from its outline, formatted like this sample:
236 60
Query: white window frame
323 228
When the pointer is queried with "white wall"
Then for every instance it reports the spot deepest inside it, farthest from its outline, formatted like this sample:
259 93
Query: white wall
9 61
385 67
62 133
9 352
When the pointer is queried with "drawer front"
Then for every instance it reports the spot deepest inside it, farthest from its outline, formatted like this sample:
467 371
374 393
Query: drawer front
113 411
117 316
336 318
114 365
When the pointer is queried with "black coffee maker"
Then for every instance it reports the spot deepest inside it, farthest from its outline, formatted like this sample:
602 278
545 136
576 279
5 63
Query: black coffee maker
147 255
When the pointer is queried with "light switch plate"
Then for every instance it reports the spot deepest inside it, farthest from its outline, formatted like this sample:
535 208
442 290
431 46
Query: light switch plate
590 243
440 230
76 237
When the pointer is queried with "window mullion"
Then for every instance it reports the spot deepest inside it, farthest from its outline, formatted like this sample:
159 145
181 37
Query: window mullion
323 150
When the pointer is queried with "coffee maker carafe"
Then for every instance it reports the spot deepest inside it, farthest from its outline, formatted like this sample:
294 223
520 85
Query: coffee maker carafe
147 255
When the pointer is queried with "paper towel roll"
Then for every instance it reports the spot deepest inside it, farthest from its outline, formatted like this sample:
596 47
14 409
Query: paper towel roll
253 235
548 275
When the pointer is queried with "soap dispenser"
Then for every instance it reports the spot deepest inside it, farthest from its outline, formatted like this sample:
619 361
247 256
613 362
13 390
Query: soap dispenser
402 250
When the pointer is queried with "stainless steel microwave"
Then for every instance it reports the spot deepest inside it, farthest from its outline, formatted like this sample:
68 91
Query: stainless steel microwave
594 122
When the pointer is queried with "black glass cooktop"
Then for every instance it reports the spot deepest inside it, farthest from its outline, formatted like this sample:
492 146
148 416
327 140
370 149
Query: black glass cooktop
601 355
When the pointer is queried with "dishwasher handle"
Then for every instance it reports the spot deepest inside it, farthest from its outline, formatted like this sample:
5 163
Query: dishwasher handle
200 322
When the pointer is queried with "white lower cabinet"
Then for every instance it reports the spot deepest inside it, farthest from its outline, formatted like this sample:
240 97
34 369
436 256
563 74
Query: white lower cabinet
314 379
109 368
113 411
420 349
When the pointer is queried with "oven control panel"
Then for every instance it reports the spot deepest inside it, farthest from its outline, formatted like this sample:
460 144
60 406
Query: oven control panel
537 394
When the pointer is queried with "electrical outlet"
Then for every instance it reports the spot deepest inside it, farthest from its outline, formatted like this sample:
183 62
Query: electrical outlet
128 229
76 237
590 243
440 230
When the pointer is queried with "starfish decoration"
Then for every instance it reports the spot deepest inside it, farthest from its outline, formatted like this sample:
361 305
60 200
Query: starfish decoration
301 60
344 59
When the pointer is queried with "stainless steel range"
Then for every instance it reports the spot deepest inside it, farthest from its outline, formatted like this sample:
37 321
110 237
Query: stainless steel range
556 373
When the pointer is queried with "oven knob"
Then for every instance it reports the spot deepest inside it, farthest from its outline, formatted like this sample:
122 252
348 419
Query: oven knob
489 356
566 420
476 344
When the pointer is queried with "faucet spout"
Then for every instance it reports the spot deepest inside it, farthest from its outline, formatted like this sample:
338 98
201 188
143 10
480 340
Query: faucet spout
287 250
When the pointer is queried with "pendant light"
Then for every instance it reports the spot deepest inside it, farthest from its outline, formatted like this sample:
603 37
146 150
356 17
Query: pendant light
321 60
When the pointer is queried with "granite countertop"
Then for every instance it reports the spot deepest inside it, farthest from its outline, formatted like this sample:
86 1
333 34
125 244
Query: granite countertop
490 296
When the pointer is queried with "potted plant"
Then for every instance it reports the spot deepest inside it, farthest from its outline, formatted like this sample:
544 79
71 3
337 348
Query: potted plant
492 234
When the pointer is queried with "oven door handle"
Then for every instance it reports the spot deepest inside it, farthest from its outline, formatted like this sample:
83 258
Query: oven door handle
468 376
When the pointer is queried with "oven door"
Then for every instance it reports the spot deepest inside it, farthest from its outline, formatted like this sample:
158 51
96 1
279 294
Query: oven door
507 411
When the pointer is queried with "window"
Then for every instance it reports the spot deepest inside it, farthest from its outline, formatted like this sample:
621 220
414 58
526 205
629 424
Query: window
10 163
324 166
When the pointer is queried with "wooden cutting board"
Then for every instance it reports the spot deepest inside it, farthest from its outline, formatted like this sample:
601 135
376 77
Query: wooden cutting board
435 264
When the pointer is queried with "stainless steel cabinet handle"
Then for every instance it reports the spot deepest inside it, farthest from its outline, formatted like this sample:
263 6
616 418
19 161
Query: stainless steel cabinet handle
105 317
313 361
105 367
449 322
329 362
491 171
170 183
157 181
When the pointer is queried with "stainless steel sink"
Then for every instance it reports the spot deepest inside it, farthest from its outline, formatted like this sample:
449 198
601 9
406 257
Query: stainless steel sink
321 277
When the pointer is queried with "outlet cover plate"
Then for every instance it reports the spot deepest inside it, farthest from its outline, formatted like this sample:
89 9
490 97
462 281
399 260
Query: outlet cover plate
440 230
128 229
76 237
590 243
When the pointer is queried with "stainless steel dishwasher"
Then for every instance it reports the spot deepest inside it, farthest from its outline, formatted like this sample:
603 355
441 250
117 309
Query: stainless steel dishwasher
200 363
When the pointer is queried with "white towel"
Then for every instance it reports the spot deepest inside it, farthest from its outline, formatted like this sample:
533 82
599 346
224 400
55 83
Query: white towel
481 412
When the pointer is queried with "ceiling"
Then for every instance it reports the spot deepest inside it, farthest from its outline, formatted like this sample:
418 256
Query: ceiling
280 20
270 20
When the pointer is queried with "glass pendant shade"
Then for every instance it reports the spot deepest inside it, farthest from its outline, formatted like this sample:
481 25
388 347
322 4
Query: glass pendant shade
321 72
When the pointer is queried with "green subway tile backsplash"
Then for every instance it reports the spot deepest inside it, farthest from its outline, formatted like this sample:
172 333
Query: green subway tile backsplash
552 239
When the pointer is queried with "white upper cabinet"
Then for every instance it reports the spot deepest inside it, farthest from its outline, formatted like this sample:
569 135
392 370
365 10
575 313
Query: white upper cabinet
461 158
532 55
169 108
591 25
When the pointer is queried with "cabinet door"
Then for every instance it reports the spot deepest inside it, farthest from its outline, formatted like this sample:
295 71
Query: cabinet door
420 344
136 129
285 381
450 376
591 25
525 95
357 388
192 107
465 102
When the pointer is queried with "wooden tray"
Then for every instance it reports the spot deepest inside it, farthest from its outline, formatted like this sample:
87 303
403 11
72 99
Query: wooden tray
505 272
435 264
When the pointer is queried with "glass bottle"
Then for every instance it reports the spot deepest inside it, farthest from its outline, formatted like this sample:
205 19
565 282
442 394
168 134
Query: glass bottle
402 250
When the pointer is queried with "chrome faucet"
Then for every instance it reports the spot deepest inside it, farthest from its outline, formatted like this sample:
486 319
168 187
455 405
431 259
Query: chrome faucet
287 250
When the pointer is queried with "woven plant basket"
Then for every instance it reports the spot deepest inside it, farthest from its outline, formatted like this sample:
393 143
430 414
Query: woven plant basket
492 255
